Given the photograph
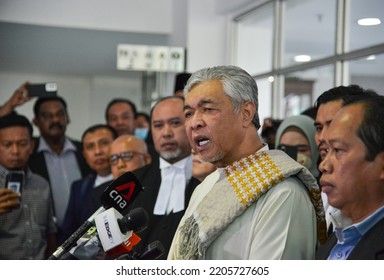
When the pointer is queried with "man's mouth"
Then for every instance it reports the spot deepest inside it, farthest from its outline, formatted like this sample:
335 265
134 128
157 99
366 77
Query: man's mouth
201 141
326 187
56 126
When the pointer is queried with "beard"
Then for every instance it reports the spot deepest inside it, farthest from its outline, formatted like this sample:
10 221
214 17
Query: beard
171 155
218 156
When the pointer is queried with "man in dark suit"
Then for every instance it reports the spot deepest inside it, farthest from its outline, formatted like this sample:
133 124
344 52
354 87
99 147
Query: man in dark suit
168 181
56 157
85 193
353 179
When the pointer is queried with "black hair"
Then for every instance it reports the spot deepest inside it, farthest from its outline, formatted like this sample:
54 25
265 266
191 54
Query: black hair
180 81
95 127
342 93
371 129
165 98
310 112
145 115
41 100
121 100
13 119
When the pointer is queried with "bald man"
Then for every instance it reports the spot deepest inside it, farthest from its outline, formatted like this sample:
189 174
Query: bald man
128 153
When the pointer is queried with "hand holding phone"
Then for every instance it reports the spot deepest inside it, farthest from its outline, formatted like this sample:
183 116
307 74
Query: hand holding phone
8 200
42 90
15 182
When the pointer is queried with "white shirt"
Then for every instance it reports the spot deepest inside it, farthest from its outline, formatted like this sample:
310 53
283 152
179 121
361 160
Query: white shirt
102 179
174 179
63 170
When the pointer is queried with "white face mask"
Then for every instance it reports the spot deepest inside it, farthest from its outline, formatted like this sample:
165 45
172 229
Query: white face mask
304 160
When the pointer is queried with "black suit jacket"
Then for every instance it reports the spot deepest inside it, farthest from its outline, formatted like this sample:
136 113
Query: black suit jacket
160 227
38 165
370 247
84 200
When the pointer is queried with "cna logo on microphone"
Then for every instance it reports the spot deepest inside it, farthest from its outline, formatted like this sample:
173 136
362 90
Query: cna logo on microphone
121 192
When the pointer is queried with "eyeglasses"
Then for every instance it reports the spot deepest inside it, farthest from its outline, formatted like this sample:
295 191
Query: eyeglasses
125 157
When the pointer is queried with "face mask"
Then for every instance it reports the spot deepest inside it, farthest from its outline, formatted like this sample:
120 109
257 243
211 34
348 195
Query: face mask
304 160
141 132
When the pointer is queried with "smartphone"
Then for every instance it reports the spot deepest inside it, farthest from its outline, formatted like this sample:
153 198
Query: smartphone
42 90
15 181
289 150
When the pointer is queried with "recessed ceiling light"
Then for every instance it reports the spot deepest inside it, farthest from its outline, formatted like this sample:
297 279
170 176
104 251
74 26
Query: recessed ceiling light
302 58
371 57
368 21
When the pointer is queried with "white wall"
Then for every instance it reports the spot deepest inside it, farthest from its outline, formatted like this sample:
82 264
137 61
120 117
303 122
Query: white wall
86 97
207 35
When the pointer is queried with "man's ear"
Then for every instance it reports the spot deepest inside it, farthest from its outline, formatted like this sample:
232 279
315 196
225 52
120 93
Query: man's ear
35 122
147 158
248 110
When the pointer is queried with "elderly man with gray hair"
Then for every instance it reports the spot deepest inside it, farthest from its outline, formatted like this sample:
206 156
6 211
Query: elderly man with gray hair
259 203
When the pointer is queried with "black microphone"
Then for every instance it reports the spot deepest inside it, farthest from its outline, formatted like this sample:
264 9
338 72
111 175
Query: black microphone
152 251
136 220
119 194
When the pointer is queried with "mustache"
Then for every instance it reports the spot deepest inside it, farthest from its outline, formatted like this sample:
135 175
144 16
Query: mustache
56 125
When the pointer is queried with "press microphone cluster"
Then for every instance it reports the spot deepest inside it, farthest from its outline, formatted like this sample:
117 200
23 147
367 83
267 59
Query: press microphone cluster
118 195
114 229
112 236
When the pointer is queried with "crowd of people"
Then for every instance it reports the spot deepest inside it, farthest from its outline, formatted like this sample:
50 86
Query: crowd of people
218 184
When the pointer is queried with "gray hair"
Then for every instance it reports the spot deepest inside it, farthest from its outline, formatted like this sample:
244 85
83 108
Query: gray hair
238 85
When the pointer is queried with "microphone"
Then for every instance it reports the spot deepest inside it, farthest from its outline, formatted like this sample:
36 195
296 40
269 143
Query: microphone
114 229
152 251
118 195
136 220
113 232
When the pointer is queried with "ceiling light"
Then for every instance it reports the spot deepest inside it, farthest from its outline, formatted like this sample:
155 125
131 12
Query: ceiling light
368 21
371 57
271 79
302 58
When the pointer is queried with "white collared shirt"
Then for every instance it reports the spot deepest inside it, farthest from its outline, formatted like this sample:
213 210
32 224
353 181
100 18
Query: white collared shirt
174 179
63 170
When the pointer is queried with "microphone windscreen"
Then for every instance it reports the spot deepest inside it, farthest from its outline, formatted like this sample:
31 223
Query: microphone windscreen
136 220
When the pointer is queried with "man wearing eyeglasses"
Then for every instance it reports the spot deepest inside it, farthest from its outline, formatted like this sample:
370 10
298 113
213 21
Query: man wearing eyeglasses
128 153
168 181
